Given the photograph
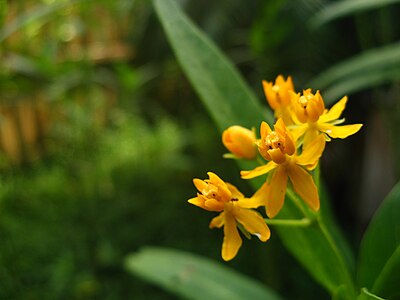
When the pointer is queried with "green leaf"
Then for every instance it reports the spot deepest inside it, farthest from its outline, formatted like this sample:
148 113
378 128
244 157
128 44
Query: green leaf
368 69
227 97
322 252
194 277
344 8
320 248
379 265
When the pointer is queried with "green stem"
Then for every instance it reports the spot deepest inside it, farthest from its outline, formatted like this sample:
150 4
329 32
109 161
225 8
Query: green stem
366 292
346 273
289 222
297 201
317 217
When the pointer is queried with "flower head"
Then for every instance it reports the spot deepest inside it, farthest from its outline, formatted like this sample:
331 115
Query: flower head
312 118
278 95
240 141
216 195
278 146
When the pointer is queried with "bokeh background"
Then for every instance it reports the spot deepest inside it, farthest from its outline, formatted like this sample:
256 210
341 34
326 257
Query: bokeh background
101 135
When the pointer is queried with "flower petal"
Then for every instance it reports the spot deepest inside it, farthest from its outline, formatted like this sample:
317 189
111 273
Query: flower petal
258 199
232 240
198 201
252 222
200 184
258 171
311 152
213 205
340 132
264 129
277 190
218 221
304 185
298 131
234 191
335 111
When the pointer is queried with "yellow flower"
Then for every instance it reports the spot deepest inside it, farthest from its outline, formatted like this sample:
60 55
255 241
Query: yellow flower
279 97
240 141
312 118
279 148
216 195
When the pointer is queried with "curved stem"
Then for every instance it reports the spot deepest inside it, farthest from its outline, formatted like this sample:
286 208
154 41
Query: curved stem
366 292
297 201
317 218
347 274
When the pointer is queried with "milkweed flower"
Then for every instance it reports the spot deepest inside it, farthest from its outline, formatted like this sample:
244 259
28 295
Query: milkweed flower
235 210
312 118
279 148
240 141
278 96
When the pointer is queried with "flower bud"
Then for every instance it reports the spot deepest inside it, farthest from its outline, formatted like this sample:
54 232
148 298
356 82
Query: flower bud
240 141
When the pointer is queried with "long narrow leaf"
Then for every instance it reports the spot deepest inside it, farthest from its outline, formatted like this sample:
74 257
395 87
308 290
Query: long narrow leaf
195 277
372 67
344 8
220 86
229 101
379 267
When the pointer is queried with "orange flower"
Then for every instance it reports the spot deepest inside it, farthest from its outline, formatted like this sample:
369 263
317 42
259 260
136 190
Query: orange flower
279 97
279 148
240 141
216 195
312 118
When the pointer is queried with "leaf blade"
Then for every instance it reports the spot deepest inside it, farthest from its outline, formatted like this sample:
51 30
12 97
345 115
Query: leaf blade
194 277
344 8
213 77
372 67
379 265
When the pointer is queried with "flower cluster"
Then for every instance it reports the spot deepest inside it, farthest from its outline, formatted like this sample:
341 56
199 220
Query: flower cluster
289 153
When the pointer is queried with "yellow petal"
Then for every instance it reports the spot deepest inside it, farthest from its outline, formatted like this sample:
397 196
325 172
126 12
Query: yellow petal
277 156
200 184
335 112
298 131
311 152
277 190
218 221
198 201
215 179
340 132
252 222
234 191
264 129
232 240
223 191
213 205
280 126
311 134
258 199
304 185
258 171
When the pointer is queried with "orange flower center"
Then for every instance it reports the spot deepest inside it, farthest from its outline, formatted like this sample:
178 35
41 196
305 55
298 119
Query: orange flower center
274 141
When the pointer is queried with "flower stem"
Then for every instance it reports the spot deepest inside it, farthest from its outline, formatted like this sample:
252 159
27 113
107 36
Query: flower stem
297 201
373 296
289 222
317 218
